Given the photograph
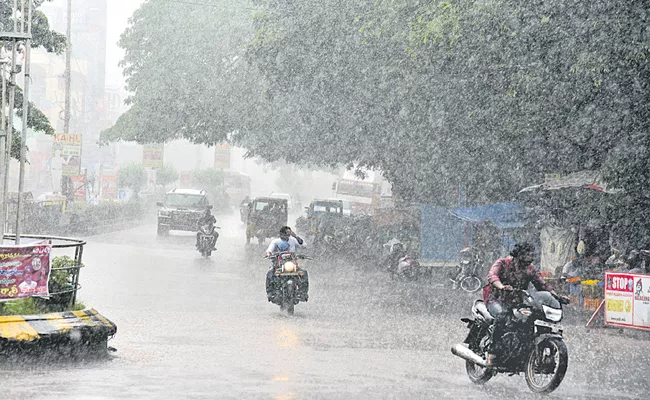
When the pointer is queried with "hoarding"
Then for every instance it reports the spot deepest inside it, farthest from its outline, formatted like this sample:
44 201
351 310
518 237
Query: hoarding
152 155
627 300
222 156
66 155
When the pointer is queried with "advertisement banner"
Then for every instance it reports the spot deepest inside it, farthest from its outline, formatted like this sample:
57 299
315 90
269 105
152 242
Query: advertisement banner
109 185
66 154
24 271
627 300
152 155
79 186
641 305
222 156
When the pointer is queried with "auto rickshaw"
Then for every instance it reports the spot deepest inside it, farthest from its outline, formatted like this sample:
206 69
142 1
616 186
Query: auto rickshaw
266 216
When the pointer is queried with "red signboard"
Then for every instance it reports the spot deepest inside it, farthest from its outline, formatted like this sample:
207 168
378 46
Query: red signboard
109 186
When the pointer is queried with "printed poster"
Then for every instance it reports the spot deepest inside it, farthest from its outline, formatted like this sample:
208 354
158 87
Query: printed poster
619 296
641 304
222 156
152 155
25 271
66 154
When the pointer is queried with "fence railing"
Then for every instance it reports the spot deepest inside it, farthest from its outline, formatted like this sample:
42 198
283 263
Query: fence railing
59 242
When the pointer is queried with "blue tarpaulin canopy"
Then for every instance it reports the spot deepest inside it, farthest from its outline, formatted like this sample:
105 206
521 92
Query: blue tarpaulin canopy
502 215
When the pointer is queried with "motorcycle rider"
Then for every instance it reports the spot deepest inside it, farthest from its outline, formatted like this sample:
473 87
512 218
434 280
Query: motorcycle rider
288 241
207 219
506 274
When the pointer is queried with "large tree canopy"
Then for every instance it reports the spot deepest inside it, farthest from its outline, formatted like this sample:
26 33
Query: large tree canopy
485 95
185 71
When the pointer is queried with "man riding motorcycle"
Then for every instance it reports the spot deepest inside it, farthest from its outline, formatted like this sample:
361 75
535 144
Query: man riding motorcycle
288 241
506 274
207 219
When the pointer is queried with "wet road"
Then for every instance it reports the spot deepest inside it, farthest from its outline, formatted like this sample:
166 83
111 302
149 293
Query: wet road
195 328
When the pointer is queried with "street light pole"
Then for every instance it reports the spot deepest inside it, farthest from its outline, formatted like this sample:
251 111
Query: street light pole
3 141
68 78
23 142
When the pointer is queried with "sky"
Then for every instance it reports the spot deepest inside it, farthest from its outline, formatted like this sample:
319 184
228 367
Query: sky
119 12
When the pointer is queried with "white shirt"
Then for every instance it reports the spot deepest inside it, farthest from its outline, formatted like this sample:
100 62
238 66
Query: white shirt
24 287
278 245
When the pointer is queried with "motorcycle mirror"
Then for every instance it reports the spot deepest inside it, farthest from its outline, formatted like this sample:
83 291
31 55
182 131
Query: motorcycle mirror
159 204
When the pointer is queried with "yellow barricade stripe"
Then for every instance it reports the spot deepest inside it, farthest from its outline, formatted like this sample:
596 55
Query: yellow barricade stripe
100 318
82 316
15 327
59 322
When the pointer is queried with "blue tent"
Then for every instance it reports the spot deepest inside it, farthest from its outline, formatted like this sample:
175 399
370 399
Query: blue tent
502 215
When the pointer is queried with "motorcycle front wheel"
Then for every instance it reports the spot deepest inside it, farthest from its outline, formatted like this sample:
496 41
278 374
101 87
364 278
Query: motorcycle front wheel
547 365
471 284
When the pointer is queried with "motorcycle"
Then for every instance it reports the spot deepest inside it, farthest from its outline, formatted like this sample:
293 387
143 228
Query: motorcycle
207 239
287 278
407 269
466 276
534 342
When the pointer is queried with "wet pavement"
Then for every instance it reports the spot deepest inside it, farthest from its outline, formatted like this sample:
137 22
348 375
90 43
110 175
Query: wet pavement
190 327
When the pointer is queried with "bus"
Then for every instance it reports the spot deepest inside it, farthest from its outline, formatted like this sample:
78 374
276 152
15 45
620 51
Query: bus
238 186
363 195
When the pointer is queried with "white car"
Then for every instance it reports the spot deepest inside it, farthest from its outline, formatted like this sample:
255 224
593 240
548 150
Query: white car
285 196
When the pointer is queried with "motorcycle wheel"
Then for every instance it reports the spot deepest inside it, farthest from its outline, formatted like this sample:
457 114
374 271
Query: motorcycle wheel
551 350
471 284
477 374
410 274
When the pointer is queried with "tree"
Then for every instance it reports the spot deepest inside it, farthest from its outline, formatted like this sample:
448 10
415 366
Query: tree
132 176
51 41
489 96
183 65
209 179
166 175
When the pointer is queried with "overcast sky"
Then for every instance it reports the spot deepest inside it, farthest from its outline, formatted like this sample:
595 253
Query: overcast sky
119 12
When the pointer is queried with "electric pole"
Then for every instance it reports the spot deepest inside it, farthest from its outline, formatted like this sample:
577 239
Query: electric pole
68 78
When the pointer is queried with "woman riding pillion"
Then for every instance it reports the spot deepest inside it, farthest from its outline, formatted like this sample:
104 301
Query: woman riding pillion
288 241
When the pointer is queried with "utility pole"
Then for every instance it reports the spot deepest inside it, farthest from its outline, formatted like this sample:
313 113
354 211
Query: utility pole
13 37
68 78
3 139
23 142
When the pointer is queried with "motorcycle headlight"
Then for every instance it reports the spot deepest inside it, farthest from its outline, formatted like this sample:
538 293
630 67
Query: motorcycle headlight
552 314
289 266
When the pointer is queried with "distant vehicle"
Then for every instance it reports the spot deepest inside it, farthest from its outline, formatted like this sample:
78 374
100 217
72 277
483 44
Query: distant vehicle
285 196
238 186
266 215
181 210
362 195
347 207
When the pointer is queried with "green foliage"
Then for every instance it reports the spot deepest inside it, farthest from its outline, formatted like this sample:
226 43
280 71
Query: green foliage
132 176
209 179
488 95
200 91
166 175
42 36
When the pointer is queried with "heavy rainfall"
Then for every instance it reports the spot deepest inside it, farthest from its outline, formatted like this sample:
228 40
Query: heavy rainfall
361 199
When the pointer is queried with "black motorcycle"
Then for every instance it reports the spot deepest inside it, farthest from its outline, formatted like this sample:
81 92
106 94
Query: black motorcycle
534 342
287 279
207 239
